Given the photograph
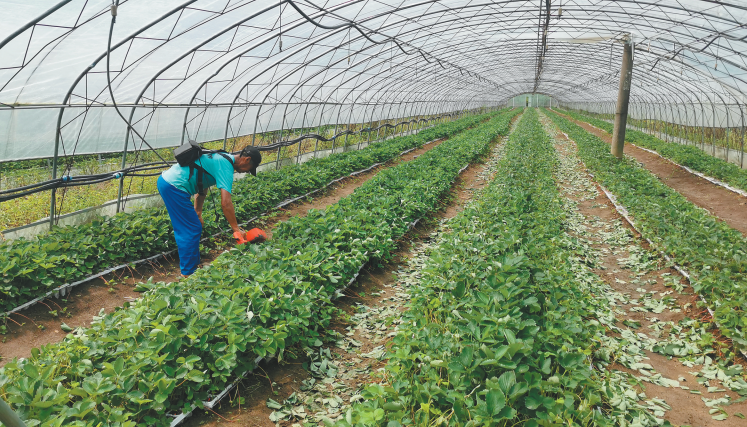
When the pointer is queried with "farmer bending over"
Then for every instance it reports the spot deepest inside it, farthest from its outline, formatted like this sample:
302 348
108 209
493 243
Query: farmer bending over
179 183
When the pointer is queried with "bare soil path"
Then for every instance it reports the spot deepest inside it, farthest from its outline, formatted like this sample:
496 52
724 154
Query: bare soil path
358 338
40 324
646 306
720 202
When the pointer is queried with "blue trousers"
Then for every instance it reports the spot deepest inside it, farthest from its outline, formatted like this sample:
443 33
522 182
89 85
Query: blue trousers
187 225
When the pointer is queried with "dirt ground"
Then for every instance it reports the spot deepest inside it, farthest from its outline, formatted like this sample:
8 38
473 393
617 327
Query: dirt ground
726 205
40 324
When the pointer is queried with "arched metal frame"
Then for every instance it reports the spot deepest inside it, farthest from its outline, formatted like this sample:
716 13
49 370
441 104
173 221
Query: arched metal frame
222 69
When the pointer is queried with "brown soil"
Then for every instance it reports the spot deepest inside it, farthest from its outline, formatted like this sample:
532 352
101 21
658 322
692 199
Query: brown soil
687 408
726 205
39 326
279 380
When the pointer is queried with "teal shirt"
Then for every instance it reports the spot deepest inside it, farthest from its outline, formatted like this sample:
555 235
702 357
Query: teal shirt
220 170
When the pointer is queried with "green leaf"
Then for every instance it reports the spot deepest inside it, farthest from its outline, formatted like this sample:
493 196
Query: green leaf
532 401
495 400
506 381
465 357
31 370
459 290
272 404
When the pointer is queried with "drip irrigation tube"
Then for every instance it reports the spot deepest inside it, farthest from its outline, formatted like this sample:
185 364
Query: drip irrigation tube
64 289
178 419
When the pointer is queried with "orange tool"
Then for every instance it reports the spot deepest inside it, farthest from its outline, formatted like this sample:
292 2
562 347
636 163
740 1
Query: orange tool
255 235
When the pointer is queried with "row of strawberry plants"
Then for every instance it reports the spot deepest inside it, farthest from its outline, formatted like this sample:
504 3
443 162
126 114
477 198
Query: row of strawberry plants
183 341
496 333
714 253
32 267
686 155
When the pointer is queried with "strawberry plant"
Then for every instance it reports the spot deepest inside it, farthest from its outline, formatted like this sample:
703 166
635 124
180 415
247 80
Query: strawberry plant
493 333
714 253
32 267
183 341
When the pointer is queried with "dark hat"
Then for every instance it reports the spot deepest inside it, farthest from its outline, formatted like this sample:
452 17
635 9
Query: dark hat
256 157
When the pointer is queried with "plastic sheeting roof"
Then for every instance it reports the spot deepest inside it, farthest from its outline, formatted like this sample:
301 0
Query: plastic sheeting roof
214 69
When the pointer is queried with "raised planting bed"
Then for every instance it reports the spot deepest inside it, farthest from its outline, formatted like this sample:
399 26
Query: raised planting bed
497 330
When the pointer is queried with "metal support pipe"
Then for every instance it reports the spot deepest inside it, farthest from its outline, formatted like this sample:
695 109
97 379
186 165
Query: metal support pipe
9 418
741 144
728 134
713 130
702 127
120 190
623 98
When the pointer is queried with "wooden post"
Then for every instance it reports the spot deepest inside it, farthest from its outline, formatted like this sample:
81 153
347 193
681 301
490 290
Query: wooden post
623 98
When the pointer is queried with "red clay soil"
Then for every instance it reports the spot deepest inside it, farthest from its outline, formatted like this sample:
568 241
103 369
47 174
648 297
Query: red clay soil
373 288
40 324
720 202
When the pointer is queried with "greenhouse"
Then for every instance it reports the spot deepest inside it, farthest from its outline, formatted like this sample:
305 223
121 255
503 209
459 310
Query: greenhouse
373 213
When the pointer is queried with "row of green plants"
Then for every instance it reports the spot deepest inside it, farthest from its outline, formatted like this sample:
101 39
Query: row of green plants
32 267
686 155
184 340
714 253
496 332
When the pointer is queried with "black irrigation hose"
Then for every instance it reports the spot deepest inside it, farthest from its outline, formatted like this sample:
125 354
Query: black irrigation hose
290 142
132 171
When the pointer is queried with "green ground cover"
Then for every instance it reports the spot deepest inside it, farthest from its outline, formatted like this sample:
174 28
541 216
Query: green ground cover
183 340
32 267
496 332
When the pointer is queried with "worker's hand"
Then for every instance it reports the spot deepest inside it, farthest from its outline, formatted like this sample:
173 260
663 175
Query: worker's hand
240 236
199 215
